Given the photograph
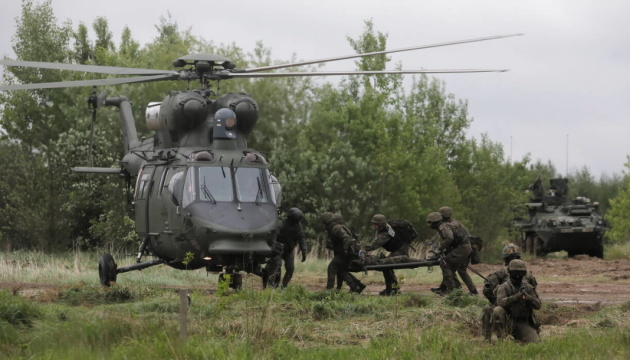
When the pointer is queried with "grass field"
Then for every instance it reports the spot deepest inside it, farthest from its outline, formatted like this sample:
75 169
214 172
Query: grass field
139 318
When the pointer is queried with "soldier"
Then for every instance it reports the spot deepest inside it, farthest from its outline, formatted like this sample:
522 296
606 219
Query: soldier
498 277
344 247
446 213
455 252
447 216
517 301
384 238
290 235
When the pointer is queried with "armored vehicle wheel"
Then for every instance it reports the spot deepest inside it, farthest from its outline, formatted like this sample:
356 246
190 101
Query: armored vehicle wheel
598 252
107 270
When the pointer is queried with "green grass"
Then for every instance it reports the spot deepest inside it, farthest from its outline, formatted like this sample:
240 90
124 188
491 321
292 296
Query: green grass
138 318
617 251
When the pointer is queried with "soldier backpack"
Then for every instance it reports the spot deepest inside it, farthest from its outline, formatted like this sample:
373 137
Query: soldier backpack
405 234
477 244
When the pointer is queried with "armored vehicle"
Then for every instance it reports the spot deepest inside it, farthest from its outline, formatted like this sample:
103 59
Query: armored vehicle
555 223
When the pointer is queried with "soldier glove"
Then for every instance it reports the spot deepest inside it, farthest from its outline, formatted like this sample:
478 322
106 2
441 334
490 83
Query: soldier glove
514 298
527 297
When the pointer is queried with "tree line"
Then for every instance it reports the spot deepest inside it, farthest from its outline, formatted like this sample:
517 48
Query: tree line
363 146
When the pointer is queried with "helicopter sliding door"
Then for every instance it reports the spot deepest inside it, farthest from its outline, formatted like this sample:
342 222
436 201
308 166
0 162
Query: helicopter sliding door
142 196
164 212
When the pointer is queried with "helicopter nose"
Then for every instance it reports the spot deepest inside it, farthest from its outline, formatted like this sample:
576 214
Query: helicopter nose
226 230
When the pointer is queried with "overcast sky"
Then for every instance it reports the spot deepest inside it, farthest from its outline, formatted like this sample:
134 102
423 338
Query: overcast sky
565 98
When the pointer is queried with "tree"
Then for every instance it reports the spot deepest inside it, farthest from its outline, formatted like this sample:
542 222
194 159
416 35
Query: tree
23 219
617 216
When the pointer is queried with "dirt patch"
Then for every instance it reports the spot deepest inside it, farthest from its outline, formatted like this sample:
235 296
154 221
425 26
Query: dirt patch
585 282
36 291
582 281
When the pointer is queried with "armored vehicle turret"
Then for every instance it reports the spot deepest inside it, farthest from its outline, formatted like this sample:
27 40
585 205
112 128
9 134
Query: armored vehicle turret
555 223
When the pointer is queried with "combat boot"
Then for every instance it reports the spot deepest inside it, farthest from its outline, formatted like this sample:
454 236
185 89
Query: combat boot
357 288
385 292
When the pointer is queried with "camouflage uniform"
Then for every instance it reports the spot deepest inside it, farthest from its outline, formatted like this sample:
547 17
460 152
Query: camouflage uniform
290 234
399 252
517 301
344 247
447 216
498 277
456 256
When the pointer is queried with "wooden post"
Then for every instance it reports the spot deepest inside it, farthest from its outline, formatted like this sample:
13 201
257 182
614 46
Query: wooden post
183 313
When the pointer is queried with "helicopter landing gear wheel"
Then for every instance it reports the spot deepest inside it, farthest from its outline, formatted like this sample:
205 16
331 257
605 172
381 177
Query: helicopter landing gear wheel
107 270
235 280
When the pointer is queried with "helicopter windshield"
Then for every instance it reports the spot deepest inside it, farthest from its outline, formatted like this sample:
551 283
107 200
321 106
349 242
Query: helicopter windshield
214 184
250 185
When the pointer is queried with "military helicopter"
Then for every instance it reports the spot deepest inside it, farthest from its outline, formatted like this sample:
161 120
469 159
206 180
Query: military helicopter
202 197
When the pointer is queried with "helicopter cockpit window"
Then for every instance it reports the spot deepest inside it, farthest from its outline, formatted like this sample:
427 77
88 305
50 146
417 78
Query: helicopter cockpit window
275 189
250 185
215 184
190 188
175 186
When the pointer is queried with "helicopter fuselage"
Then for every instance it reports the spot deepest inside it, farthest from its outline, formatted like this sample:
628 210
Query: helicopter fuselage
208 213
202 198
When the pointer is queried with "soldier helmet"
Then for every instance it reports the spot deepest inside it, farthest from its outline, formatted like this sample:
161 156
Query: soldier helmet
517 265
511 250
379 220
326 217
338 218
295 214
434 217
517 269
446 212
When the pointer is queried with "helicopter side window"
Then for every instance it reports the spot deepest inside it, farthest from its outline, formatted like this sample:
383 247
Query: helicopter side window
250 185
190 188
175 187
163 183
143 184
215 184
275 189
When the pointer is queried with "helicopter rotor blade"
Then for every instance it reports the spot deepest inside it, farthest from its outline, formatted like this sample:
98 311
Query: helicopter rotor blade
95 82
375 72
111 70
337 58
